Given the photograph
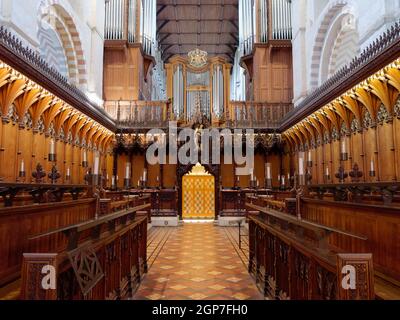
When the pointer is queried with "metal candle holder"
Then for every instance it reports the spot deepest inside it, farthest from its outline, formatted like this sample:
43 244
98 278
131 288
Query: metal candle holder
372 174
127 183
344 156
52 157
21 176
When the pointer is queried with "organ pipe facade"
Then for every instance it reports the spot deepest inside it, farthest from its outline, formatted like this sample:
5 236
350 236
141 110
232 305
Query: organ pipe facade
202 90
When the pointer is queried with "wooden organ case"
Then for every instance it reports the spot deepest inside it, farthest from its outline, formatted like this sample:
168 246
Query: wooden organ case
199 87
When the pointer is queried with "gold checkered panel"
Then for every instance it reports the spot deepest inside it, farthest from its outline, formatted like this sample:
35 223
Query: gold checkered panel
198 198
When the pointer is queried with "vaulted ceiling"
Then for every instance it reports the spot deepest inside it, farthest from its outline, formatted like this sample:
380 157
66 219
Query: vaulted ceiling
210 25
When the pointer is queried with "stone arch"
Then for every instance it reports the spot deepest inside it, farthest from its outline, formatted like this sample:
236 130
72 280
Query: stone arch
52 50
346 47
55 14
340 47
330 23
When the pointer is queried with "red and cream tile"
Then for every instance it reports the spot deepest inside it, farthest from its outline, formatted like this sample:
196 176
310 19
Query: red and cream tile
197 262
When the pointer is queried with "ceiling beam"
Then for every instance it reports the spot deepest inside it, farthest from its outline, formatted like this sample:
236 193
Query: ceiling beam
162 25
199 33
234 36
234 24
165 37
161 9
161 3
200 20
230 45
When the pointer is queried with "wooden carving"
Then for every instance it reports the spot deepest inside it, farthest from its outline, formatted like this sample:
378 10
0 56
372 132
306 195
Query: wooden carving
87 268
362 286
35 268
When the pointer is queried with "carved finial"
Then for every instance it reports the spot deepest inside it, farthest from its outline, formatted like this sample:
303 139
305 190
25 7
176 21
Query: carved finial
341 175
355 174
54 175
39 174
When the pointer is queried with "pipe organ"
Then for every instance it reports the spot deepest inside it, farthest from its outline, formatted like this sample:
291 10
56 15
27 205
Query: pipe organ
198 91
132 20
275 20
263 14
281 20
114 19
246 25
218 89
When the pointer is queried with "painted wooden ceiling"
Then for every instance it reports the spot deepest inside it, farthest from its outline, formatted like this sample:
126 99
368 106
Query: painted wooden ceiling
210 25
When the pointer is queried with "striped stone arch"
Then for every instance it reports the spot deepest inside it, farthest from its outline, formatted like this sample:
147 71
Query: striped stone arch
55 15
329 28
345 48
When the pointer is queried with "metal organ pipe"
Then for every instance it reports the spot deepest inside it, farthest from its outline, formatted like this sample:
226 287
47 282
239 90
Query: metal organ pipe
280 19
119 17
221 91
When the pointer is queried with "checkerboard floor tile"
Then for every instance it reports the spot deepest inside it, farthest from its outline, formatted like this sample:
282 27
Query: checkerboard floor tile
197 262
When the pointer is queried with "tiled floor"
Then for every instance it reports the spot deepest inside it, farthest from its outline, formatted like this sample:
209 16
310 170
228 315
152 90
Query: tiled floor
197 262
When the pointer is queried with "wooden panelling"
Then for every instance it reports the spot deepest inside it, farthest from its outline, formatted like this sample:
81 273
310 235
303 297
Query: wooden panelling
273 76
19 223
381 225
123 73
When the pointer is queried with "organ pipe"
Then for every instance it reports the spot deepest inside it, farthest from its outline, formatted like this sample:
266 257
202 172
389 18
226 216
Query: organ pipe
281 20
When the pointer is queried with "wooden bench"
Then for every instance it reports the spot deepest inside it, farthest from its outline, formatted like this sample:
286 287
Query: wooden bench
114 244
289 264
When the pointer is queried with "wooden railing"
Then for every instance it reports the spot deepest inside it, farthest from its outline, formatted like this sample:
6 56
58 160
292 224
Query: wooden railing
139 114
367 208
233 202
374 192
290 259
284 201
104 259
257 114
156 114
113 201
14 194
17 223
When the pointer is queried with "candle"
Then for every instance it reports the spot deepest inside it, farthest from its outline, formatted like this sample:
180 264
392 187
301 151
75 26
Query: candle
113 181
117 178
327 171
283 180
52 147
68 172
84 156
309 155
128 171
22 166
96 164
372 165
343 146
145 175
301 166
268 171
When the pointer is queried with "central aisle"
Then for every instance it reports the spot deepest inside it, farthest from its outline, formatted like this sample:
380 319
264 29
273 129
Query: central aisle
196 262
